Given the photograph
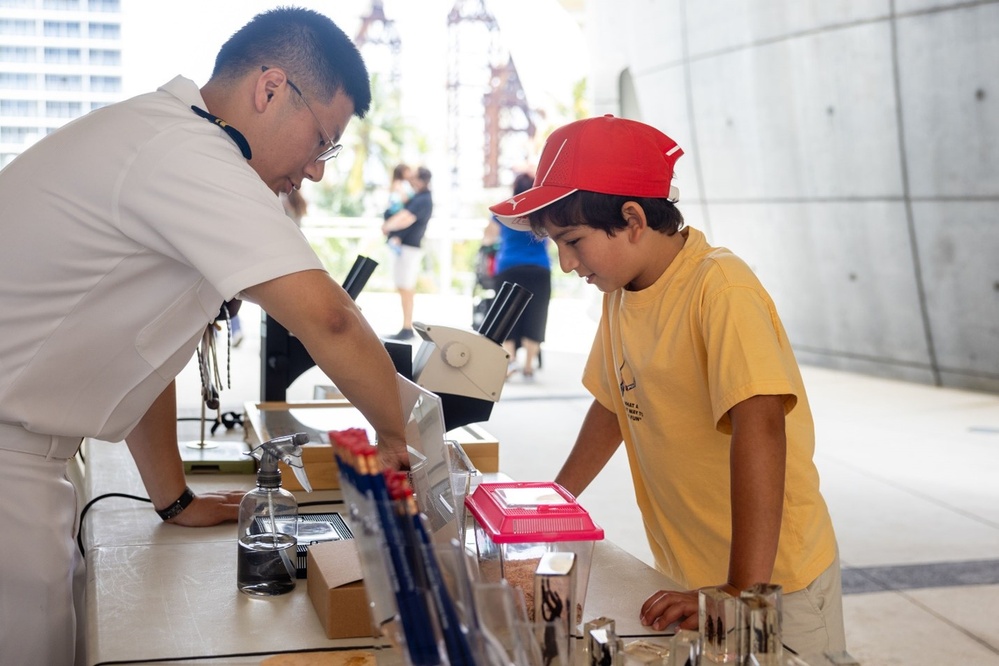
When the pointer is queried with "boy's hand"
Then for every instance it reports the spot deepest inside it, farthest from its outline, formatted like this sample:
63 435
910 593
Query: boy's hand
667 607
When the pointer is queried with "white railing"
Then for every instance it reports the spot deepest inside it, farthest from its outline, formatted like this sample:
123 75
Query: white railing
364 236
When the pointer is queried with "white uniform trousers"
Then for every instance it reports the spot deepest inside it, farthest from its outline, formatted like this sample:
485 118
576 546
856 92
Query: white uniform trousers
42 574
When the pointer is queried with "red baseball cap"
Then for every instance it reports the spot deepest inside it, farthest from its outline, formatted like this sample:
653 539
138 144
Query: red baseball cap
607 155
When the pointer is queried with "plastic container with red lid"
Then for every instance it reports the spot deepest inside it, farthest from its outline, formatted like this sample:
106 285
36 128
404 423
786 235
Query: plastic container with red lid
518 522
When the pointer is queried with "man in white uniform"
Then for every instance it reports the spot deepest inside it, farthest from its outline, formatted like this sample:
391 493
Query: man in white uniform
123 234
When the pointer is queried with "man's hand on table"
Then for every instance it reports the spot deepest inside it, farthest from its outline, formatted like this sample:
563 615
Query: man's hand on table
210 509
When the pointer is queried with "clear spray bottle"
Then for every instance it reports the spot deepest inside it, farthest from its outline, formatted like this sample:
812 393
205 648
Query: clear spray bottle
268 521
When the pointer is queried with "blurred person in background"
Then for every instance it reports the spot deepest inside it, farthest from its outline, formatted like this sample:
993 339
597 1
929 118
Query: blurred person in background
404 231
522 258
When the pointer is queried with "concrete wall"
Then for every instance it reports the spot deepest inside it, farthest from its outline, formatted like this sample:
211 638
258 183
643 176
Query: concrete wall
847 150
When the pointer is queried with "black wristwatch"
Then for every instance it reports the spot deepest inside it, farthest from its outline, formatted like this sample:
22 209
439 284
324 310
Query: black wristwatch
178 506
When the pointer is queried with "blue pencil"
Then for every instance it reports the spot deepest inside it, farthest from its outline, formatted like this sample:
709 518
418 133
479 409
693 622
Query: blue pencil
458 648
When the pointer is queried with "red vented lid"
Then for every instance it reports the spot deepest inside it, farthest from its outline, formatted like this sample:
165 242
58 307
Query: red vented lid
531 511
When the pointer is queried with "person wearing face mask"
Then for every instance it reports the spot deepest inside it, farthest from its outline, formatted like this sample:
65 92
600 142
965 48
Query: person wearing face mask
125 231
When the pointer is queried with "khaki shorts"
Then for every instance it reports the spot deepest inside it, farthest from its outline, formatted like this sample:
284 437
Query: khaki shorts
406 261
813 617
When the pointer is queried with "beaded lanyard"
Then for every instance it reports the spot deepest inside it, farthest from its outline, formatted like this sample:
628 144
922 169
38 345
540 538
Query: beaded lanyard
208 362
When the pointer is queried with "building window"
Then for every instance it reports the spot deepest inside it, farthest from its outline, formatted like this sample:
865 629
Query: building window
17 81
105 31
17 4
62 29
98 105
107 57
63 109
16 134
63 56
18 107
104 5
105 84
17 54
63 82
16 27
61 4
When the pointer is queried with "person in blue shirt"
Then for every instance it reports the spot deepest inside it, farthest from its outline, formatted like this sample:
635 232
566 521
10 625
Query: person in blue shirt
523 259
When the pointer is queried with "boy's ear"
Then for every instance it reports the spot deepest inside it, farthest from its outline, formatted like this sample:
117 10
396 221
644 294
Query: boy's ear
634 216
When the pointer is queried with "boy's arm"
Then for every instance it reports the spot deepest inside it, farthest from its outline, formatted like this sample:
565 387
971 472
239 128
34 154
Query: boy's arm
598 439
757 460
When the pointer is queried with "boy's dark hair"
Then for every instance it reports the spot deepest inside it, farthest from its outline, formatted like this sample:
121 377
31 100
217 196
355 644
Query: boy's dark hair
603 211
317 55
423 173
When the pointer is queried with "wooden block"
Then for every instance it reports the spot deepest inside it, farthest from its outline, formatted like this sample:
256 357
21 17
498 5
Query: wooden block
320 467
480 447
267 420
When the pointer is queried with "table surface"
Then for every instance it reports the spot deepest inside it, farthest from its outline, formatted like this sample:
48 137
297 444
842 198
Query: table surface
159 593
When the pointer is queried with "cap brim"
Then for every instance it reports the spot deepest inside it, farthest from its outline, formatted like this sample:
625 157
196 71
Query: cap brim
514 211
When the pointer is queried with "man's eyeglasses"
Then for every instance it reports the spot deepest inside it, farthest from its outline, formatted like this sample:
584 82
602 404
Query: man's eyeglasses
334 148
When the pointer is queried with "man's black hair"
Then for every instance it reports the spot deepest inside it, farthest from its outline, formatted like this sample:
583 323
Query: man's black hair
603 211
316 54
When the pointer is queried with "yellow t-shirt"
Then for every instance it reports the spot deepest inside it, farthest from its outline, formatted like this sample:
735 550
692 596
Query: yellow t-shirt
670 361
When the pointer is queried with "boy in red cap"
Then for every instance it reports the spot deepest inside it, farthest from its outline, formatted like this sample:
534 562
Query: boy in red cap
692 370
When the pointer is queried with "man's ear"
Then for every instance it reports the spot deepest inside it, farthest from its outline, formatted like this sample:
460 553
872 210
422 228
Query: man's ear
634 217
266 85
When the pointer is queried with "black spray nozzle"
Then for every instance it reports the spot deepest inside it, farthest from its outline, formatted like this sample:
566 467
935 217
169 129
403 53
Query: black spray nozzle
358 276
508 305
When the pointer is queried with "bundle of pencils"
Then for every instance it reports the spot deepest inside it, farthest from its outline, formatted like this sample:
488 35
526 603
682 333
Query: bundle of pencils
422 600
421 551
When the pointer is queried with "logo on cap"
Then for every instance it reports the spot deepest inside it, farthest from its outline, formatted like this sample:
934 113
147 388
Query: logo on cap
514 201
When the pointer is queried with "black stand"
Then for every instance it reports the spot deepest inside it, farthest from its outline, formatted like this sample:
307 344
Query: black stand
283 357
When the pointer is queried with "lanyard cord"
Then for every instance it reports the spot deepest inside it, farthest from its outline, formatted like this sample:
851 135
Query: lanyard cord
234 134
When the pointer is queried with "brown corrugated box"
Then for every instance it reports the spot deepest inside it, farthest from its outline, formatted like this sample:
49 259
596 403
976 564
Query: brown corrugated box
336 588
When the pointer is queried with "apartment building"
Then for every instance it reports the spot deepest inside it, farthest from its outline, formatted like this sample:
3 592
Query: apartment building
59 59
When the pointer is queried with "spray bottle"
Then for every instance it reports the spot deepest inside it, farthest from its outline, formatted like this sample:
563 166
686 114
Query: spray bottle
268 521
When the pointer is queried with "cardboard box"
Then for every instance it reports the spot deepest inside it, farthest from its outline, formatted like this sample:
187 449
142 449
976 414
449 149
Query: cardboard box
336 588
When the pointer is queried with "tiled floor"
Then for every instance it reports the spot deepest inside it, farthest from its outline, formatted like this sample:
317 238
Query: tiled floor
910 472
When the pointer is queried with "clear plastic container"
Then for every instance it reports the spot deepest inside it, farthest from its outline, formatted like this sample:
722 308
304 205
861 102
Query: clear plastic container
516 523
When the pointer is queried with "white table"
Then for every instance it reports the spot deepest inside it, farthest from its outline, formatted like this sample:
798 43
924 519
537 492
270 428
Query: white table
159 593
